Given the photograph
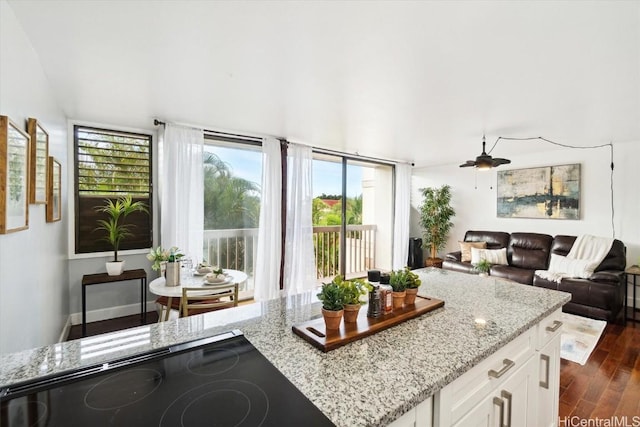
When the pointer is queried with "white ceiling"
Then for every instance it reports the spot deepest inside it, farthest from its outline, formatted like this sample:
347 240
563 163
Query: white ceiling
419 81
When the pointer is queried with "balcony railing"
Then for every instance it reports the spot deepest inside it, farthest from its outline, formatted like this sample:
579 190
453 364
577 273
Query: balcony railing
236 249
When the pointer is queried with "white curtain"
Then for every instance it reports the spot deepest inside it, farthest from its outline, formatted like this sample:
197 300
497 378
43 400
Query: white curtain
299 264
402 216
182 190
269 254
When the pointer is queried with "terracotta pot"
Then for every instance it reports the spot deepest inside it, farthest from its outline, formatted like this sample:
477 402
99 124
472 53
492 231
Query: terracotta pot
410 298
332 319
351 313
398 299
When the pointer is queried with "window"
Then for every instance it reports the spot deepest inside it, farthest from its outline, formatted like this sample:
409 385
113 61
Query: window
232 177
356 237
110 164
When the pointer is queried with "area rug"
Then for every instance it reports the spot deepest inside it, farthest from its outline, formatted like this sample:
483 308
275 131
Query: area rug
579 337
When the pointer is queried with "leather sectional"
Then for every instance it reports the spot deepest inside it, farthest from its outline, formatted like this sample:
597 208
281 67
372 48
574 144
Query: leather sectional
601 296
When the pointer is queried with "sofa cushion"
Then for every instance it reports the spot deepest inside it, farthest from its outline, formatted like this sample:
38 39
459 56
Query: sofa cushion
494 256
494 239
616 259
520 275
465 249
529 250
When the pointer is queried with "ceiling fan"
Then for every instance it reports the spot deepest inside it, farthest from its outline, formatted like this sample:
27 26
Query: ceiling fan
485 161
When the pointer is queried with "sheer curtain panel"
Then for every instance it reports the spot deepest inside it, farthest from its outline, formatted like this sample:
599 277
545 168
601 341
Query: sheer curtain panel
401 216
269 254
182 189
299 265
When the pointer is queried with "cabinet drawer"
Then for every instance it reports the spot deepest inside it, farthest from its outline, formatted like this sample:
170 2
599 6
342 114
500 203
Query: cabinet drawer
548 328
460 396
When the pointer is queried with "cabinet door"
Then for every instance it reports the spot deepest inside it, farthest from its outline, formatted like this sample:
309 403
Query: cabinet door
519 396
549 383
483 414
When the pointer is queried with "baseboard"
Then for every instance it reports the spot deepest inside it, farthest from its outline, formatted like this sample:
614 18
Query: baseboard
110 313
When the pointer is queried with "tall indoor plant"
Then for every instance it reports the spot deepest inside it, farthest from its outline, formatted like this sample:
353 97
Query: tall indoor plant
435 218
116 228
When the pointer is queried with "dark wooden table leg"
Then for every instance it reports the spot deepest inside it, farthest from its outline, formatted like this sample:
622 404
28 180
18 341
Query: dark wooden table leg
84 311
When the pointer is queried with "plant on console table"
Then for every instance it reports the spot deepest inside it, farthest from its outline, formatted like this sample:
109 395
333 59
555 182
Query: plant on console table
435 219
413 283
116 228
353 290
398 281
332 297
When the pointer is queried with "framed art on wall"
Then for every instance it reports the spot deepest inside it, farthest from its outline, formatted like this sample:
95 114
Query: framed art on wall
54 191
14 177
38 161
545 192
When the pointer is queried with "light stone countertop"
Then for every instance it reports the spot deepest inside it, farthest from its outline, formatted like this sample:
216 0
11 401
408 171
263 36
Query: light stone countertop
369 382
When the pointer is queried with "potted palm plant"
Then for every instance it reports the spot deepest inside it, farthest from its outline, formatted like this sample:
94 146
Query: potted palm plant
353 290
332 297
413 283
115 227
435 218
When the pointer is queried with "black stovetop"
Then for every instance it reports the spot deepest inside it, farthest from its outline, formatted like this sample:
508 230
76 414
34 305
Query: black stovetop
208 382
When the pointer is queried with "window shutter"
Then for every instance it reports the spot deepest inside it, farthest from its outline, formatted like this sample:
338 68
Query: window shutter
110 164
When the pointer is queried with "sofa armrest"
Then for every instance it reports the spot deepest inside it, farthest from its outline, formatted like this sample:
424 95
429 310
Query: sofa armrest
454 256
608 276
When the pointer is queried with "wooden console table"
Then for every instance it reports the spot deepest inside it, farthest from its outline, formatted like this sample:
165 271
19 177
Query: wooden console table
96 279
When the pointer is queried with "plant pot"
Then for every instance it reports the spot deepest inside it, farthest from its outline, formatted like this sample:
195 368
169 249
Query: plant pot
410 297
173 274
351 313
398 299
115 268
332 319
433 262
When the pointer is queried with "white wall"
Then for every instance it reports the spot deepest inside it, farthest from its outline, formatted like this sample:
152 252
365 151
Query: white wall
34 295
476 207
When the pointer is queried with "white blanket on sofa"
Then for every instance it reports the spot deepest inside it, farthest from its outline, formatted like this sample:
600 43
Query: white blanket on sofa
585 255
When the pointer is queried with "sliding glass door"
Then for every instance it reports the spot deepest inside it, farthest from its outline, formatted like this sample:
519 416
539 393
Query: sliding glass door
352 215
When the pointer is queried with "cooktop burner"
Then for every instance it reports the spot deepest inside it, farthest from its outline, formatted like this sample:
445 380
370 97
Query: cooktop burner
209 382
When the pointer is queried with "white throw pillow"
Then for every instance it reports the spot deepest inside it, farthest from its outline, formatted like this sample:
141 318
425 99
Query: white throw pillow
494 256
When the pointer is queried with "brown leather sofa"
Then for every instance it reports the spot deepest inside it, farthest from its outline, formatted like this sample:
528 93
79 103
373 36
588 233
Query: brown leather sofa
599 297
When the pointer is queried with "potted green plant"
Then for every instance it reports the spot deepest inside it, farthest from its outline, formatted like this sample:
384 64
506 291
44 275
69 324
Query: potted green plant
398 282
116 228
353 290
332 297
413 283
482 267
435 219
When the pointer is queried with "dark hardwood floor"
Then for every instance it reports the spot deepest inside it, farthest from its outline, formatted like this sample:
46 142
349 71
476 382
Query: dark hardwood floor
110 325
607 386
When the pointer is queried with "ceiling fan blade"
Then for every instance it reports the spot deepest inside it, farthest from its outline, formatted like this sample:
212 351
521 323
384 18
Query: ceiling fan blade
499 161
469 163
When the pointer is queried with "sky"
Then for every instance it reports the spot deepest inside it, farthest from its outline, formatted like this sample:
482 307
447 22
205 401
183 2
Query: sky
327 176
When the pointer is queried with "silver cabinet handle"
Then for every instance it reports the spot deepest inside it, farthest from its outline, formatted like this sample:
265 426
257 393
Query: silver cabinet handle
500 404
556 325
506 395
547 360
507 364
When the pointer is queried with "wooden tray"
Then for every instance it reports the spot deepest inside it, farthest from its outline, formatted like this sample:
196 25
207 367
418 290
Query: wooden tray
314 331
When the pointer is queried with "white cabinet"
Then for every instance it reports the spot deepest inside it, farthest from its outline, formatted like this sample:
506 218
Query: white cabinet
420 416
516 386
508 405
549 370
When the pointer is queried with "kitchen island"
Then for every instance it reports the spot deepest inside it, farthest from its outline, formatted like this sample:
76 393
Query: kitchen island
369 382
